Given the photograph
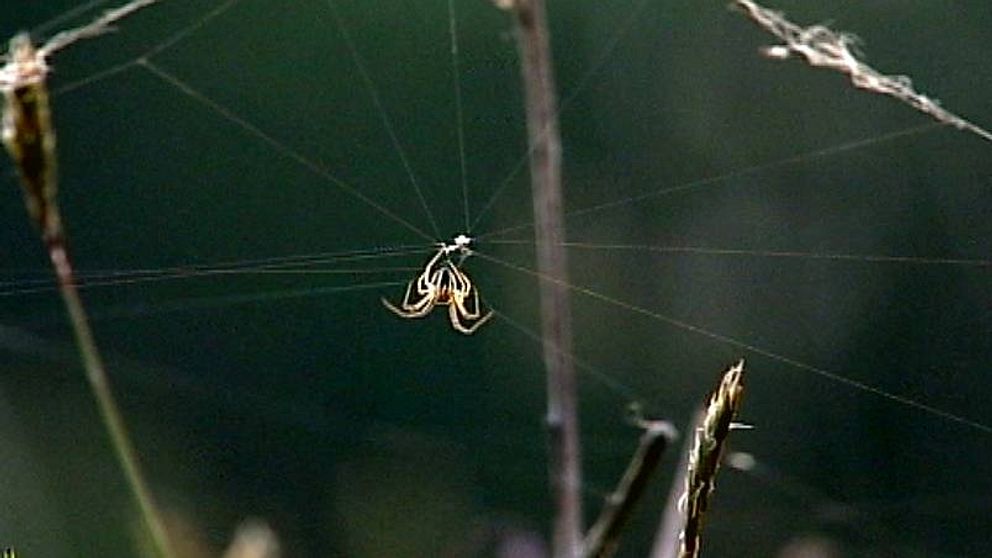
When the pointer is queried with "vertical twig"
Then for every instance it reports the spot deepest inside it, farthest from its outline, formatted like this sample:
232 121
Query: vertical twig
545 170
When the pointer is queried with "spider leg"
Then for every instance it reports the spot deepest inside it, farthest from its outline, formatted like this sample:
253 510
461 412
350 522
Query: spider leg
424 282
421 292
464 320
420 310
442 283
429 267
468 327
416 309
460 282
426 287
478 310
475 311
423 306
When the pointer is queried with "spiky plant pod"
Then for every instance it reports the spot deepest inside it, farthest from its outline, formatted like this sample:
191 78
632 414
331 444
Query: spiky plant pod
708 444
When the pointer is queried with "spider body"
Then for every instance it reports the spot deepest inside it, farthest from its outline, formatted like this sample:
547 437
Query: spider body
443 284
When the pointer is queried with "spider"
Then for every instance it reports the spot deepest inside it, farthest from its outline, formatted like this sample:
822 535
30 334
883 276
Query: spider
443 284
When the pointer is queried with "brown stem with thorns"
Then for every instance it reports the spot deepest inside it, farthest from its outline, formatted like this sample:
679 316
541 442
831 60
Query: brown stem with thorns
604 536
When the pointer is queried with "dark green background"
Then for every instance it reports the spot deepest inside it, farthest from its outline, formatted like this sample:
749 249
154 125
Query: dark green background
358 434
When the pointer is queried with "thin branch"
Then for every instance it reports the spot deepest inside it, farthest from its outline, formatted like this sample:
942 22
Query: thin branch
545 169
604 536
666 540
99 26
822 47
99 381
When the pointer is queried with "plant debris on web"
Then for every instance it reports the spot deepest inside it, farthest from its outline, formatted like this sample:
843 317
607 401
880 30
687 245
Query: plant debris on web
823 47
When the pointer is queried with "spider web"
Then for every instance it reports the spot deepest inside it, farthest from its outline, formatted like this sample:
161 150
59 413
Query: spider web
719 205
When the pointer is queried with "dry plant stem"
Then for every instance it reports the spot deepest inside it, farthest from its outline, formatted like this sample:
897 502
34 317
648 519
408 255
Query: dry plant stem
29 137
545 169
666 540
99 26
97 376
822 47
709 441
603 538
